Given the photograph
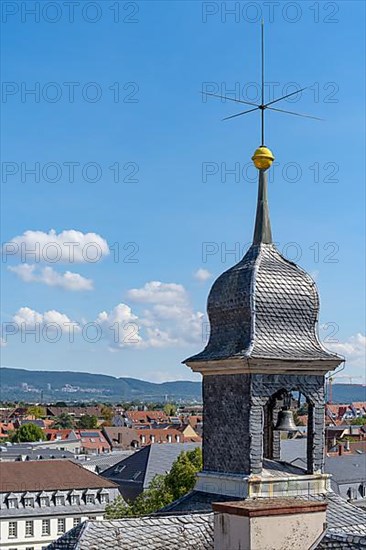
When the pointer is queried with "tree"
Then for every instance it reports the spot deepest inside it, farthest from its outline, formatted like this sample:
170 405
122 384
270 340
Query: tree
37 411
162 490
28 433
88 422
360 421
182 476
63 422
107 414
170 409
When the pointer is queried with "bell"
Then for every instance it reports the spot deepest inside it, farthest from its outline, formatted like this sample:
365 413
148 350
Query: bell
285 421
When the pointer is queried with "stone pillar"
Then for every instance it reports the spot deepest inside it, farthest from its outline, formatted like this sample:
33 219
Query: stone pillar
226 438
256 427
316 438
271 437
276 437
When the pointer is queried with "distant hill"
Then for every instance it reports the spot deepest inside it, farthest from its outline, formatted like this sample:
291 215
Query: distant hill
32 385
348 393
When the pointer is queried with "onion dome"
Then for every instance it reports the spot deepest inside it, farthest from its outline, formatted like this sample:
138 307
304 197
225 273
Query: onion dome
264 311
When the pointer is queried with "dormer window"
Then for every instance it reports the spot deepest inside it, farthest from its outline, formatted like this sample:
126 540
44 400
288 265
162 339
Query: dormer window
59 500
12 502
75 499
28 502
89 499
44 501
103 498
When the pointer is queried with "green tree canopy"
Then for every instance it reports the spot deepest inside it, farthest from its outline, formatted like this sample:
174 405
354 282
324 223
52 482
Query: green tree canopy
63 422
107 413
37 411
162 490
360 421
88 422
28 433
170 409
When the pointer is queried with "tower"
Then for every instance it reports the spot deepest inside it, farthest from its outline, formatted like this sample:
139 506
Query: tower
263 344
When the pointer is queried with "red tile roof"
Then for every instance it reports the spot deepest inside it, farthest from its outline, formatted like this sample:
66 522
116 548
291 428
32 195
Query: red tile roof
48 475
147 416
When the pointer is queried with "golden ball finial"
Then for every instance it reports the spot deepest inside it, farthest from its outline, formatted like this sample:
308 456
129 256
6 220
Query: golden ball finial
263 158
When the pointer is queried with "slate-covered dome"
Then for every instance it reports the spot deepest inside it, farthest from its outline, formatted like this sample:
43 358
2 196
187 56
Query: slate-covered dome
265 307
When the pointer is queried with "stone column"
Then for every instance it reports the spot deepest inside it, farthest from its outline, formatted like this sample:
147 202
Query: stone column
271 437
316 438
256 427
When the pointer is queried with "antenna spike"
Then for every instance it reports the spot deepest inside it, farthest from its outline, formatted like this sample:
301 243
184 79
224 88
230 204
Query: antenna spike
263 156
239 114
262 113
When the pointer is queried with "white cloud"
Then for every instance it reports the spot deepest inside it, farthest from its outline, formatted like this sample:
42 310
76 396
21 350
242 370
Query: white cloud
169 319
27 318
120 326
156 292
50 277
202 275
353 349
69 246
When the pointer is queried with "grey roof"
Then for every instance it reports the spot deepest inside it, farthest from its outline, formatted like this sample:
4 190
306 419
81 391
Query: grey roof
344 469
162 457
134 473
347 468
103 462
187 532
265 307
17 451
346 525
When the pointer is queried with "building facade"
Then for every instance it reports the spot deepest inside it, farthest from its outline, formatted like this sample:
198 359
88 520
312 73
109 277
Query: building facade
41 500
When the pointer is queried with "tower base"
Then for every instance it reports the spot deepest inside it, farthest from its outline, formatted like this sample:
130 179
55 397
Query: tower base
276 480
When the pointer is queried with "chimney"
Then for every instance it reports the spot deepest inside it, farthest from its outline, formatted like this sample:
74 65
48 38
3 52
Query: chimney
275 523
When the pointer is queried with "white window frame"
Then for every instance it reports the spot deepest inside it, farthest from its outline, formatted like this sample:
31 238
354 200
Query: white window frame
29 502
46 527
59 500
104 498
77 521
61 521
12 529
29 528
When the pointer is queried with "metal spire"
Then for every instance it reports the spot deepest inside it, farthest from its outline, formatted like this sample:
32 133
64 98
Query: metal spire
262 228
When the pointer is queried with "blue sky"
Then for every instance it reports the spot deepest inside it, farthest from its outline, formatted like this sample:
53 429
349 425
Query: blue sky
123 91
